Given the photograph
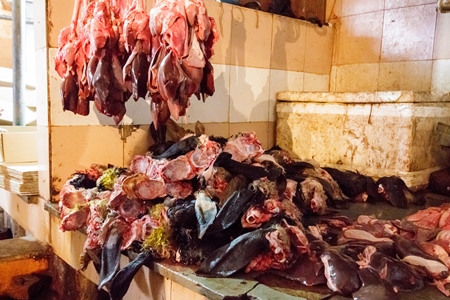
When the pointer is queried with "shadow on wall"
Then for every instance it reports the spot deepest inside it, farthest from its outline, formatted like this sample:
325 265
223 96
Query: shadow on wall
238 87
283 35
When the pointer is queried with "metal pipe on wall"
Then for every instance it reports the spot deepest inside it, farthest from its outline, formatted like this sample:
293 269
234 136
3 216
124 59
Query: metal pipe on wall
18 38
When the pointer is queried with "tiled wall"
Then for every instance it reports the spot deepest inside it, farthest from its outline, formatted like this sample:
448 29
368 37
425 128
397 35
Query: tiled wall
386 45
258 54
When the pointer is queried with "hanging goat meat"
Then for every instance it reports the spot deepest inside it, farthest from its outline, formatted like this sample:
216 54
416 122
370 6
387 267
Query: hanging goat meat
136 32
116 50
180 67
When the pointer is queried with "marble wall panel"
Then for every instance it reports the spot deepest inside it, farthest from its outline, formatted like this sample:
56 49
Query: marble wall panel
408 33
357 44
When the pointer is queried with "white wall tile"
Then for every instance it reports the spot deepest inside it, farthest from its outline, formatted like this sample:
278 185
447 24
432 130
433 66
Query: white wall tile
410 76
215 108
333 78
440 76
405 3
441 40
249 94
359 39
40 28
316 82
356 78
283 81
355 7
408 33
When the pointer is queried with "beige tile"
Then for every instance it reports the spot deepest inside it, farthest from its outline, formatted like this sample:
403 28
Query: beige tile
167 295
413 76
440 75
319 49
360 39
222 16
249 94
333 78
147 284
356 7
60 241
77 147
58 17
137 140
43 162
288 44
389 4
76 248
217 129
216 107
408 33
31 217
250 37
441 40
260 128
281 81
356 78
180 292
271 139
316 83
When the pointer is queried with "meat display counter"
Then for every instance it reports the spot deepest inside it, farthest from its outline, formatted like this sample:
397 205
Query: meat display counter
269 286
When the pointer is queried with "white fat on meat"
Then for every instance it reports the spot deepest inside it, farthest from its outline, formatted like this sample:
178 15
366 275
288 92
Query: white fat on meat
350 234
326 270
433 267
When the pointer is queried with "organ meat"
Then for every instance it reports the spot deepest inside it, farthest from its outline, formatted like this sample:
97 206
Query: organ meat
116 49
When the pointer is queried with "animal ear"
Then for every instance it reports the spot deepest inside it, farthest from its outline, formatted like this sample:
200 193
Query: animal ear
158 135
199 128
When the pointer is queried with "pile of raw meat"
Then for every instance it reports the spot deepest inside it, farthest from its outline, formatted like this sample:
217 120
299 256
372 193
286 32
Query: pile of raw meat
226 205
114 50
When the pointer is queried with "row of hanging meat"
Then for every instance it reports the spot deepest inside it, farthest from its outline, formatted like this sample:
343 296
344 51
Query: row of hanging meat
115 50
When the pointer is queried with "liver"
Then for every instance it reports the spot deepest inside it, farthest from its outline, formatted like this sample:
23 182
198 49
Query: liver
378 134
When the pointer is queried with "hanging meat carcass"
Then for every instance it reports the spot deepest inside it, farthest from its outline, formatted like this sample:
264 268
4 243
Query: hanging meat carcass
180 66
114 50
